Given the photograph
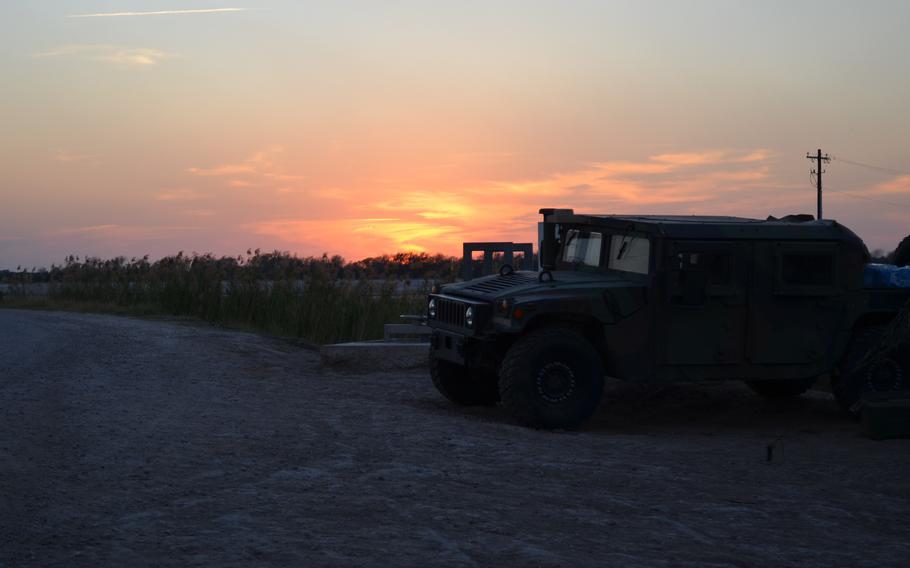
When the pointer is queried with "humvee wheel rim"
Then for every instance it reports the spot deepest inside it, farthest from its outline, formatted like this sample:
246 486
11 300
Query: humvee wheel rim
555 382
884 376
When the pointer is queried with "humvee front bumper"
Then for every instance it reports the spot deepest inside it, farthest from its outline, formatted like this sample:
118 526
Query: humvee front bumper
448 346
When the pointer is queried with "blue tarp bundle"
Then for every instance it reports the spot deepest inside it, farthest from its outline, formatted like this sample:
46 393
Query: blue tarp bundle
886 276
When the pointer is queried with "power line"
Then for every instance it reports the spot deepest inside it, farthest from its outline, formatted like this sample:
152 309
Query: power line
815 177
871 166
867 198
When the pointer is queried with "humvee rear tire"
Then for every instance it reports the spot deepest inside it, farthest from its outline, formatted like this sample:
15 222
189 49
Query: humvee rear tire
902 252
551 378
851 380
781 388
462 385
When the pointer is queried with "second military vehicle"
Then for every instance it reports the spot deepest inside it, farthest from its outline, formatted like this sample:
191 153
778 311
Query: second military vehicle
775 303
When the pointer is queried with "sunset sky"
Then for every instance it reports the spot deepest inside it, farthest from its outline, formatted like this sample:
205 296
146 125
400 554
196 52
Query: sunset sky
358 128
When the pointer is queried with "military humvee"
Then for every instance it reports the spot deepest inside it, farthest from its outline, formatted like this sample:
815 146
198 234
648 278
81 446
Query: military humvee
774 303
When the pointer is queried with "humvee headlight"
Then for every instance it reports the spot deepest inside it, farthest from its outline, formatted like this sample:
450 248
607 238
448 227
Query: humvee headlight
431 308
469 317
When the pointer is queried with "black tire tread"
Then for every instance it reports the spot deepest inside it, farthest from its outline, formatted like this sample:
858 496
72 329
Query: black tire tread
863 340
514 398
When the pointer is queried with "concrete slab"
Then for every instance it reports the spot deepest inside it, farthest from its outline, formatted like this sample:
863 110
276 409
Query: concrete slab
376 355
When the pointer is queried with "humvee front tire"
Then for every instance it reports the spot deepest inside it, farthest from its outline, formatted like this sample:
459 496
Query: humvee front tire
779 389
462 385
855 377
551 378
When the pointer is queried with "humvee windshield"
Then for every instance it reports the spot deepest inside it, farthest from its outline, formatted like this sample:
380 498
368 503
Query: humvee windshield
629 254
583 247
596 249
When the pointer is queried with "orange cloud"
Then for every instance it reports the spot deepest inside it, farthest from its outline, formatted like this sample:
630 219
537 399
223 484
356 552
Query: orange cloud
899 185
711 157
430 206
441 219
349 235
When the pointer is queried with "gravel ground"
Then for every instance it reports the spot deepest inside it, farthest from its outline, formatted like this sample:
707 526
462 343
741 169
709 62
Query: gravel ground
131 442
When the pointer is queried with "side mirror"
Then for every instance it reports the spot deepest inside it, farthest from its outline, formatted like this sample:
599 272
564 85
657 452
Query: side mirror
546 231
548 246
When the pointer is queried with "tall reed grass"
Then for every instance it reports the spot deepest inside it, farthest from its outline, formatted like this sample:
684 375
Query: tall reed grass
310 298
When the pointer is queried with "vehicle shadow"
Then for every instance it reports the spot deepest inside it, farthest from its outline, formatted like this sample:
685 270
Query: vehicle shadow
685 408
706 408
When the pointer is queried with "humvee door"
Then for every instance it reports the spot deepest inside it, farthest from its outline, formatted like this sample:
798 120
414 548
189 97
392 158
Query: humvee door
704 312
797 302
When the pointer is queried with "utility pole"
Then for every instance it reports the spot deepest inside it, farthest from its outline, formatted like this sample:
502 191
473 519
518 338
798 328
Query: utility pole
818 176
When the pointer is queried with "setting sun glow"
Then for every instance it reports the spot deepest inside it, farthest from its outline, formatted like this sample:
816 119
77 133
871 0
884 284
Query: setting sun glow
361 128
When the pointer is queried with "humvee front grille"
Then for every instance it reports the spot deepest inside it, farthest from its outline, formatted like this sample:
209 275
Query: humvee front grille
450 312
500 283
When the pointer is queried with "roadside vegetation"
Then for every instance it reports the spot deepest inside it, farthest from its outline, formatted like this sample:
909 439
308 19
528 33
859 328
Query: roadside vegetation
319 299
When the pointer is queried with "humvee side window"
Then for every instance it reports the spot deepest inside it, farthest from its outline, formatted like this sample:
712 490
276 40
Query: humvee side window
702 273
630 254
807 269
716 265
582 247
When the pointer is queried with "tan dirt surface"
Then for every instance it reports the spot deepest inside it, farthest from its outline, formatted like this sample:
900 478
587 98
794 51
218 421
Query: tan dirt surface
128 442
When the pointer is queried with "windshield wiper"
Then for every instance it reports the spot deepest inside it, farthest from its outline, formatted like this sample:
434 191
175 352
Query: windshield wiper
623 247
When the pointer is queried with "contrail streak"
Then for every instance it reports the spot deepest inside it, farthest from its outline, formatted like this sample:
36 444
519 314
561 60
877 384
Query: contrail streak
159 13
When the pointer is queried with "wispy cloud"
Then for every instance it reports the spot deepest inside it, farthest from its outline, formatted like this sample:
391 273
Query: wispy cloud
262 169
178 195
712 157
115 54
89 230
68 157
897 186
198 213
114 231
158 13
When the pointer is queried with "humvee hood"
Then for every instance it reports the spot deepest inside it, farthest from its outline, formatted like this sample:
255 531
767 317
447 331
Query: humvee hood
521 282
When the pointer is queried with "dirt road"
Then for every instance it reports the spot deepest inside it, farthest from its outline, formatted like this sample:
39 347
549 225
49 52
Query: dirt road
128 442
